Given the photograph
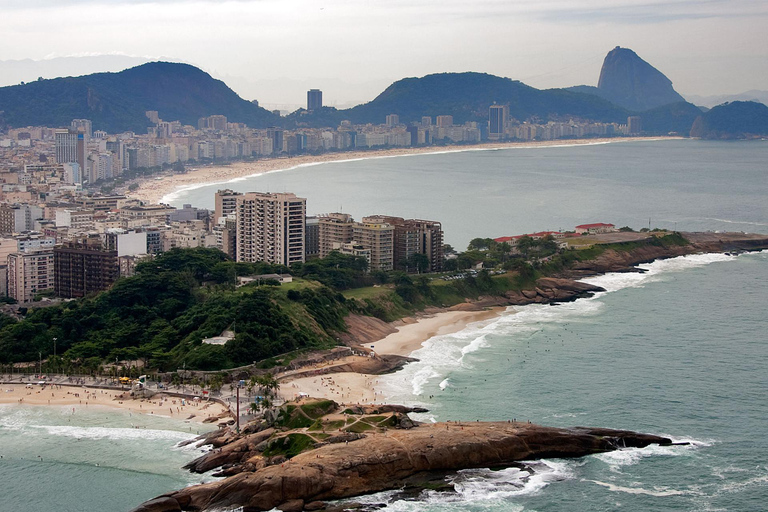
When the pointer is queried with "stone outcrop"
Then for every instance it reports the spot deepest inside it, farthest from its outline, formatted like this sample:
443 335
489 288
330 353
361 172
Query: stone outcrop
390 460
629 81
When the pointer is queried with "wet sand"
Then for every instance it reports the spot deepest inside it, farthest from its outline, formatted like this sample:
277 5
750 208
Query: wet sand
349 387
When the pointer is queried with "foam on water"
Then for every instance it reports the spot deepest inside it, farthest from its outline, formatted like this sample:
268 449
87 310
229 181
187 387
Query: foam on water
658 492
440 356
113 434
618 459
479 489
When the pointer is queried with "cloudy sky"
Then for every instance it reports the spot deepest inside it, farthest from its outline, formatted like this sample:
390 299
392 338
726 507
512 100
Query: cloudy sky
273 50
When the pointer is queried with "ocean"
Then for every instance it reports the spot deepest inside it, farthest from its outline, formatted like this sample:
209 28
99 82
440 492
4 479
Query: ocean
678 350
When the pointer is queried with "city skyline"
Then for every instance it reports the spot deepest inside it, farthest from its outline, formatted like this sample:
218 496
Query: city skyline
704 47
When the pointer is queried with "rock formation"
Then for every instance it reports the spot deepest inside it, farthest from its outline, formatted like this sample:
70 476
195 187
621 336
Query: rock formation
392 453
629 81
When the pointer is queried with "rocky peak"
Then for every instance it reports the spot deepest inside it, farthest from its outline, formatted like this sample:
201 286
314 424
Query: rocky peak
629 81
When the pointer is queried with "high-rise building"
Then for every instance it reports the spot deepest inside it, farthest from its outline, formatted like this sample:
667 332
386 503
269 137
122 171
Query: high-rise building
334 228
83 267
30 273
498 116
312 238
414 236
70 146
225 202
377 237
276 134
314 99
392 120
634 125
15 218
444 121
270 228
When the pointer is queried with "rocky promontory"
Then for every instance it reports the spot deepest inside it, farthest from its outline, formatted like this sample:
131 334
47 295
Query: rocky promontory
347 452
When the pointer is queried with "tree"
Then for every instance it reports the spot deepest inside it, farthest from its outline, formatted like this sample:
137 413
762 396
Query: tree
419 262
480 244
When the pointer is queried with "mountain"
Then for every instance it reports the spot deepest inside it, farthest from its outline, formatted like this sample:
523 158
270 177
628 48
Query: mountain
467 96
671 118
13 72
116 102
713 101
629 81
735 120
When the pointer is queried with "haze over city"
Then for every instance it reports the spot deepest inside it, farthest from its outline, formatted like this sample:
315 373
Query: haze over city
274 51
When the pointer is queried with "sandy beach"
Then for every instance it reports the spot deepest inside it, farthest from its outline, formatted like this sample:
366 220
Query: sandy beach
349 387
155 190
81 398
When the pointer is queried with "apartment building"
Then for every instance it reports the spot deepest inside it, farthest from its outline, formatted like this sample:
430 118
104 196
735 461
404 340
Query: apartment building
377 237
83 267
270 227
29 273
333 228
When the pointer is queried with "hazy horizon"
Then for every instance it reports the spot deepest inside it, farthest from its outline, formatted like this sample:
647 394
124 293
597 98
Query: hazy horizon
273 50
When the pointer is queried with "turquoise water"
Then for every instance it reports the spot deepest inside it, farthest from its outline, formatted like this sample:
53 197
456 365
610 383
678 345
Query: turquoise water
679 350
94 460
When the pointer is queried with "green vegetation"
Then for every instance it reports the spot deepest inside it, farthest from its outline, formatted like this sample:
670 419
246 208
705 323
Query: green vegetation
161 315
116 102
737 119
290 445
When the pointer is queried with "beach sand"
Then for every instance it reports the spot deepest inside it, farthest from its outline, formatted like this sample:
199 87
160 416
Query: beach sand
80 399
154 190
348 387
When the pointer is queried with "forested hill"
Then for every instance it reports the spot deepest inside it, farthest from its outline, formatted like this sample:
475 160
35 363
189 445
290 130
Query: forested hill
734 120
117 102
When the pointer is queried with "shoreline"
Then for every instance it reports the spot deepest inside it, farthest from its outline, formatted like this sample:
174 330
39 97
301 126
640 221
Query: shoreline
167 189
82 398
411 334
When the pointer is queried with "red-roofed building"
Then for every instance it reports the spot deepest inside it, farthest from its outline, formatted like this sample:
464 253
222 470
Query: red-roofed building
594 229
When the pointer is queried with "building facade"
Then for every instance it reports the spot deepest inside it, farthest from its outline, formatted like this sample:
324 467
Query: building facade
270 228
83 267
30 273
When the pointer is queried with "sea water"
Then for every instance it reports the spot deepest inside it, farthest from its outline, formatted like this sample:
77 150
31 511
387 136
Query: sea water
679 350
92 459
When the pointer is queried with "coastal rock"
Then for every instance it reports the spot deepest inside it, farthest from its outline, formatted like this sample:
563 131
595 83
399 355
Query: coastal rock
390 460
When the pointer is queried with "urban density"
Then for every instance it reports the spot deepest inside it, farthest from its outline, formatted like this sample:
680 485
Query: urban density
64 234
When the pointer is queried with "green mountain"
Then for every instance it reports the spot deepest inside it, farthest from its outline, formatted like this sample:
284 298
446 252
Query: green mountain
467 96
116 102
671 118
734 120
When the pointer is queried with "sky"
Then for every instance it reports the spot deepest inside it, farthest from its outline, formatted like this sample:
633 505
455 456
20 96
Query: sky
274 50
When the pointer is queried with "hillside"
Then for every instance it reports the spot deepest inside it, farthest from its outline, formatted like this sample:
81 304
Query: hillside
735 120
467 96
671 118
116 102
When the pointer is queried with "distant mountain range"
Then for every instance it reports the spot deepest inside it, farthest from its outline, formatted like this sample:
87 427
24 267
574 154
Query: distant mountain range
117 102
713 101
467 96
